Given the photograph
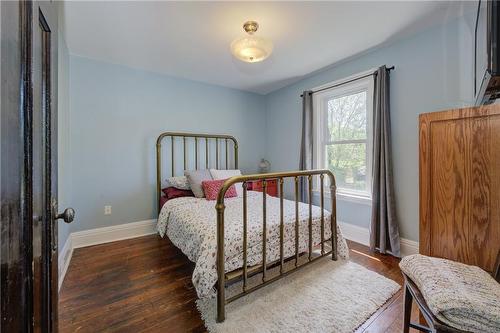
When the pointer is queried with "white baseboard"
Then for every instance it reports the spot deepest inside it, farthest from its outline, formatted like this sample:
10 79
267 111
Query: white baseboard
113 233
362 235
408 247
355 233
100 236
64 259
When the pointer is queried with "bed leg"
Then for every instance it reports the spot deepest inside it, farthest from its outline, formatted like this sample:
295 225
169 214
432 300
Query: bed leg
333 220
221 298
221 306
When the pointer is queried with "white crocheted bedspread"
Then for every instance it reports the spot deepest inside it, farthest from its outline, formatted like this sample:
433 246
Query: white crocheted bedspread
190 223
462 296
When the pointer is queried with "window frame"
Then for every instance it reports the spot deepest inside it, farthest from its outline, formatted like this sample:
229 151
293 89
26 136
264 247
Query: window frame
320 130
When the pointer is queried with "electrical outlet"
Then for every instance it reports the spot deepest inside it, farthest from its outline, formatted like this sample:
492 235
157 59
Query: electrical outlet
107 210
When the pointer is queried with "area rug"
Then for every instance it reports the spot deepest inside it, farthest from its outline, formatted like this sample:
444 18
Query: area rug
327 296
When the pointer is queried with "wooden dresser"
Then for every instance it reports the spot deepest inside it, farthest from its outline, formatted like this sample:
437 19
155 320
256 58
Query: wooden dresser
460 185
272 186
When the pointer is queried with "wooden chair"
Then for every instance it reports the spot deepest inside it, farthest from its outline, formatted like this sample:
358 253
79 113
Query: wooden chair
411 292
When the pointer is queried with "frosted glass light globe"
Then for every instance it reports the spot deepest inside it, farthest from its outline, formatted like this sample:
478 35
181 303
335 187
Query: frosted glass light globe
251 48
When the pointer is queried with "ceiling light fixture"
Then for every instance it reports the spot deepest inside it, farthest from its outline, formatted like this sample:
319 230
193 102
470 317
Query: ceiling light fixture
251 48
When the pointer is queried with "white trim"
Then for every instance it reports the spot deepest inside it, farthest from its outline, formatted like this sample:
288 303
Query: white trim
100 236
362 235
64 259
320 124
355 233
113 233
349 197
408 247
359 199
345 79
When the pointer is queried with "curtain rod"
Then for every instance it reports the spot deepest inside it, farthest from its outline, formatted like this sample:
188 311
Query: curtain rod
355 79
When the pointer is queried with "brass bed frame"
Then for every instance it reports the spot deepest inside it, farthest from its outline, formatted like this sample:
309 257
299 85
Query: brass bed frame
243 274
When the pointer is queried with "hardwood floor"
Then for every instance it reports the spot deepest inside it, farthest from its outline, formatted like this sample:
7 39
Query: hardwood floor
144 285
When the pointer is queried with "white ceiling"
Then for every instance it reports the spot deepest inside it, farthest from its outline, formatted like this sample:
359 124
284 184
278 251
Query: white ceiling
191 39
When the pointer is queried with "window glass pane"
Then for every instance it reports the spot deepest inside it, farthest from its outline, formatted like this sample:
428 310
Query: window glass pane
347 117
348 164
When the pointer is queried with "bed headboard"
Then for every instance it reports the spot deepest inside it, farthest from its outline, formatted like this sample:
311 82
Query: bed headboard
211 151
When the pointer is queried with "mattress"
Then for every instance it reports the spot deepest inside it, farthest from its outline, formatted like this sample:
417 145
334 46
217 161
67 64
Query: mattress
191 224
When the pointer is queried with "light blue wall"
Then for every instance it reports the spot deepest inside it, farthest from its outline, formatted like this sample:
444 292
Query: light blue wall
63 147
116 115
433 72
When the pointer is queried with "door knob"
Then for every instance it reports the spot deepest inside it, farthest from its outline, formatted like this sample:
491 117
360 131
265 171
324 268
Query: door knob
67 216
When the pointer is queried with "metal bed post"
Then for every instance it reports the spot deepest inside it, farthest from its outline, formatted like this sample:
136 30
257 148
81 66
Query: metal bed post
221 281
333 218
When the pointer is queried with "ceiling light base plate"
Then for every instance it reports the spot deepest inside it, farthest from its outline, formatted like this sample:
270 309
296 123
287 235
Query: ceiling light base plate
250 27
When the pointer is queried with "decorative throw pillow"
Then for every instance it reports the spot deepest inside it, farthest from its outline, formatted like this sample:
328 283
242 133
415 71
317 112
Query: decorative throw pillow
225 174
212 188
195 177
180 182
172 193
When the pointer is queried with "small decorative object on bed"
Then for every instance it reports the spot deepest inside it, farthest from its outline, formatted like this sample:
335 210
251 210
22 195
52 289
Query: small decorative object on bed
263 232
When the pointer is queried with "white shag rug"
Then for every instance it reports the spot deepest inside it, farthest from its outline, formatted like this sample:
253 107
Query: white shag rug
327 296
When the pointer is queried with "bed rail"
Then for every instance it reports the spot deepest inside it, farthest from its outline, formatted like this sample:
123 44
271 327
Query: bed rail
280 176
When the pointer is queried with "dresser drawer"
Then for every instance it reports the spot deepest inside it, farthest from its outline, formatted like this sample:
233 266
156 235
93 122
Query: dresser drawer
272 186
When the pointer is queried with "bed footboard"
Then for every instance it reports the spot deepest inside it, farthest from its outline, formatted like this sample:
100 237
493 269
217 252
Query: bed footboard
280 176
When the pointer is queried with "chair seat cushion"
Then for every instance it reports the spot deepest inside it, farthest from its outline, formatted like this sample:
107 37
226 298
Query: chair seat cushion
462 296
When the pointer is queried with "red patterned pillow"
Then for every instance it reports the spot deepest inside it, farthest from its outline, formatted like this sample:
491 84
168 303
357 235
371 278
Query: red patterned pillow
172 193
212 188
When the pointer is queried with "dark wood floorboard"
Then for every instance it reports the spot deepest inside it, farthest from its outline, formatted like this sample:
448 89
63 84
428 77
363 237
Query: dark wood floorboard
144 285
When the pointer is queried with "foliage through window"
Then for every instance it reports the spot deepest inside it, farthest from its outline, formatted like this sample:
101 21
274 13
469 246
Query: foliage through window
343 130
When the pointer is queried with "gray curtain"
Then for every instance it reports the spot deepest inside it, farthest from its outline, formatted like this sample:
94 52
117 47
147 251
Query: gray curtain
384 231
306 146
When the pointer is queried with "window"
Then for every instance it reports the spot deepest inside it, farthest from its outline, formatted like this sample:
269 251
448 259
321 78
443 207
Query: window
344 136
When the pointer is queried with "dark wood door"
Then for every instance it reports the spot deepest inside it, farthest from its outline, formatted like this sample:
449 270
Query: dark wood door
28 168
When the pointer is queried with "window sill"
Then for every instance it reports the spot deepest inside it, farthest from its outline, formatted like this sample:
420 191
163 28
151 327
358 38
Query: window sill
355 198
349 198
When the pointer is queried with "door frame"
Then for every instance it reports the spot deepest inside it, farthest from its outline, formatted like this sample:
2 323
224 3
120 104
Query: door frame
16 229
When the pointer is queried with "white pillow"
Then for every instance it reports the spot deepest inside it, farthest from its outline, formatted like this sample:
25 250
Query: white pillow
180 182
224 174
